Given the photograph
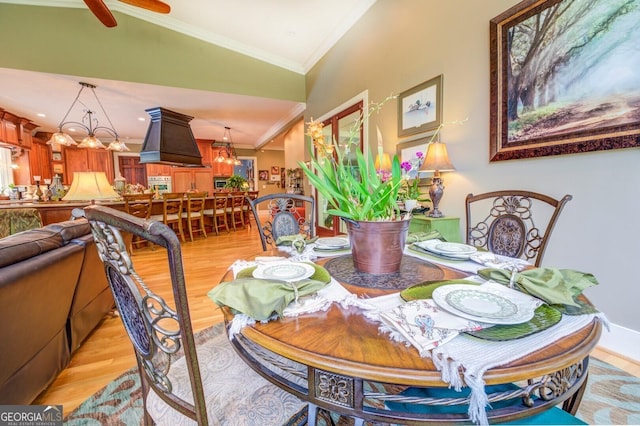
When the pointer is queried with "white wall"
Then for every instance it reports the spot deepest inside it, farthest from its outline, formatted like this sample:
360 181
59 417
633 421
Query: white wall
401 43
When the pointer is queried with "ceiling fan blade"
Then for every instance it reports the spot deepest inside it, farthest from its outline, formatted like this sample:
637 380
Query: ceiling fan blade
102 12
152 5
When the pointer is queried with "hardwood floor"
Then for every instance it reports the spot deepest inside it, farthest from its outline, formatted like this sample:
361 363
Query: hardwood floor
107 352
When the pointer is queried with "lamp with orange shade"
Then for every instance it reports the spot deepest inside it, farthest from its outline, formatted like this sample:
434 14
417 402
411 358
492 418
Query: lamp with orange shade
436 161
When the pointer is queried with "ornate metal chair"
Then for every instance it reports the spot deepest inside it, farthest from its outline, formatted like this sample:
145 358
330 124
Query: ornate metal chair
183 382
288 214
508 227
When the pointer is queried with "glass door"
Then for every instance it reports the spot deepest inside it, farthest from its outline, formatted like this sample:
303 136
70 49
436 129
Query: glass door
339 128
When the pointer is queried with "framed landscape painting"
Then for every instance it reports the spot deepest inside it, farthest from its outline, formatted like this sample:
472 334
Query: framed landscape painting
420 108
565 78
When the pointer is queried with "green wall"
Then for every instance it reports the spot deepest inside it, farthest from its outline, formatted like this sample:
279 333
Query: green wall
73 42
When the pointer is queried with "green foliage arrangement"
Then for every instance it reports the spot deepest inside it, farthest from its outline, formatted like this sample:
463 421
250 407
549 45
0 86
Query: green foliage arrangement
348 180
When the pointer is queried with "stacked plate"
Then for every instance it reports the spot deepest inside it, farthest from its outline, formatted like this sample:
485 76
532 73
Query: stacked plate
284 271
331 246
488 305
455 251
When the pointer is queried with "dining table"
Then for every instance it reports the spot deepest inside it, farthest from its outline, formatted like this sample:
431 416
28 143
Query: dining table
342 359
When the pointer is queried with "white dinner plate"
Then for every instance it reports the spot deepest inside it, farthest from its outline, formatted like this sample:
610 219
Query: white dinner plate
481 304
492 307
285 271
332 242
430 247
454 248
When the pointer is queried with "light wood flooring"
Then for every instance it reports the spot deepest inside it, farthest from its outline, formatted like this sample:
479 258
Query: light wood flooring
107 353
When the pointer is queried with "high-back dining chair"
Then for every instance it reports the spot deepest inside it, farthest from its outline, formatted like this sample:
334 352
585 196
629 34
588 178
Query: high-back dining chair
182 382
195 213
502 222
218 213
138 205
287 214
172 205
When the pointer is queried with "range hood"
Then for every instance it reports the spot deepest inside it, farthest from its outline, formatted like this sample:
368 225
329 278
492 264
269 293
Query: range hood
170 140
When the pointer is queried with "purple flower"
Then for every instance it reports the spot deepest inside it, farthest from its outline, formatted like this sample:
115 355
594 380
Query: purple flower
406 166
419 154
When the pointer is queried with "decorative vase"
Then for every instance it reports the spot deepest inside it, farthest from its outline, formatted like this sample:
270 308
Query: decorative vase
377 247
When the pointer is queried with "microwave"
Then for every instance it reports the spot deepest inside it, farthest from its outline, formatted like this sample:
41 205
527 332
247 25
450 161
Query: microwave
219 183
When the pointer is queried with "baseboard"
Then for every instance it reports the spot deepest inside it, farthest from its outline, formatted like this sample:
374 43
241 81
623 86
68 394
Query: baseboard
621 340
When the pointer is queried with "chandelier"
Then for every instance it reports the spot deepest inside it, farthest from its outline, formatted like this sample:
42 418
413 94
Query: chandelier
227 154
89 124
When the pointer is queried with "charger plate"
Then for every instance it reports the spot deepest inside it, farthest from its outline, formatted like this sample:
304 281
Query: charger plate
320 274
544 317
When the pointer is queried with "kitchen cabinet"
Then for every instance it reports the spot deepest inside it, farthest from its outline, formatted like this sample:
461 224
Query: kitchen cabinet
185 179
158 170
40 160
204 145
220 169
16 130
87 160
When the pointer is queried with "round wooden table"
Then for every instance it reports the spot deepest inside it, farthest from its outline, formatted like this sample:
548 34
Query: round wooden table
338 360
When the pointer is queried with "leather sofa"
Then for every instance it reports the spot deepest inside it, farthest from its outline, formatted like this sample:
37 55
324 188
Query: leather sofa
53 293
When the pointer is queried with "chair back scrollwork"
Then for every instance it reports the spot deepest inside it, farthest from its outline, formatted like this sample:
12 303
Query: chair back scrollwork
503 222
285 214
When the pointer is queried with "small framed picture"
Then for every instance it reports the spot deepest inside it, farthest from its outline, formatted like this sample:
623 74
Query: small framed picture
420 108
275 178
263 175
58 168
275 170
56 156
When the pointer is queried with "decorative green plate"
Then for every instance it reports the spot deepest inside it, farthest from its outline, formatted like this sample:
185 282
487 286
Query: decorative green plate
544 317
425 289
320 274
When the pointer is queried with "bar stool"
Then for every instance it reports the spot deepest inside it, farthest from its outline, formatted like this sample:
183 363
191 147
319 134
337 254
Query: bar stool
218 213
138 205
234 209
195 213
172 212
251 195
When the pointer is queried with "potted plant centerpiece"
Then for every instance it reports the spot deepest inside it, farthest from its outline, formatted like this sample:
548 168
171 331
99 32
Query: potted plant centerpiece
410 192
363 197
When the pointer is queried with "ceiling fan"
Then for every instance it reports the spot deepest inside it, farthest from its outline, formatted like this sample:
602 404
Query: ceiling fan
103 13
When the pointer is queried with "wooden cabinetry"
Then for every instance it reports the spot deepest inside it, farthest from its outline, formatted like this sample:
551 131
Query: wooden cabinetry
204 145
158 170
87 160
40 159
185 179
16 130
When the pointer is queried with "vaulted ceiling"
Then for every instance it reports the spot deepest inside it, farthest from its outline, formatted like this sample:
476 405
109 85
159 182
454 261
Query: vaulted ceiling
287 33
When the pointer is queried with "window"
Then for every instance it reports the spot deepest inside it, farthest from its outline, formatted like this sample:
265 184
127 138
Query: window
6 172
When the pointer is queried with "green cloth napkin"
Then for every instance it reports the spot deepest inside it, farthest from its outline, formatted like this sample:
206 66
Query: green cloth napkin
286 240
416 237
554 286
259 298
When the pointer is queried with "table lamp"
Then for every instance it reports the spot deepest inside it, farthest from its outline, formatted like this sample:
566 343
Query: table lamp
436 161
90 186
383 162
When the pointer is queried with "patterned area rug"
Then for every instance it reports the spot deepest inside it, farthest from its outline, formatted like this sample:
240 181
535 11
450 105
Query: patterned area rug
612 397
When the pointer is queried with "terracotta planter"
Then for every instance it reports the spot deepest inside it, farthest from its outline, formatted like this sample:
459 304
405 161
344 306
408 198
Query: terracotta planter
377 247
